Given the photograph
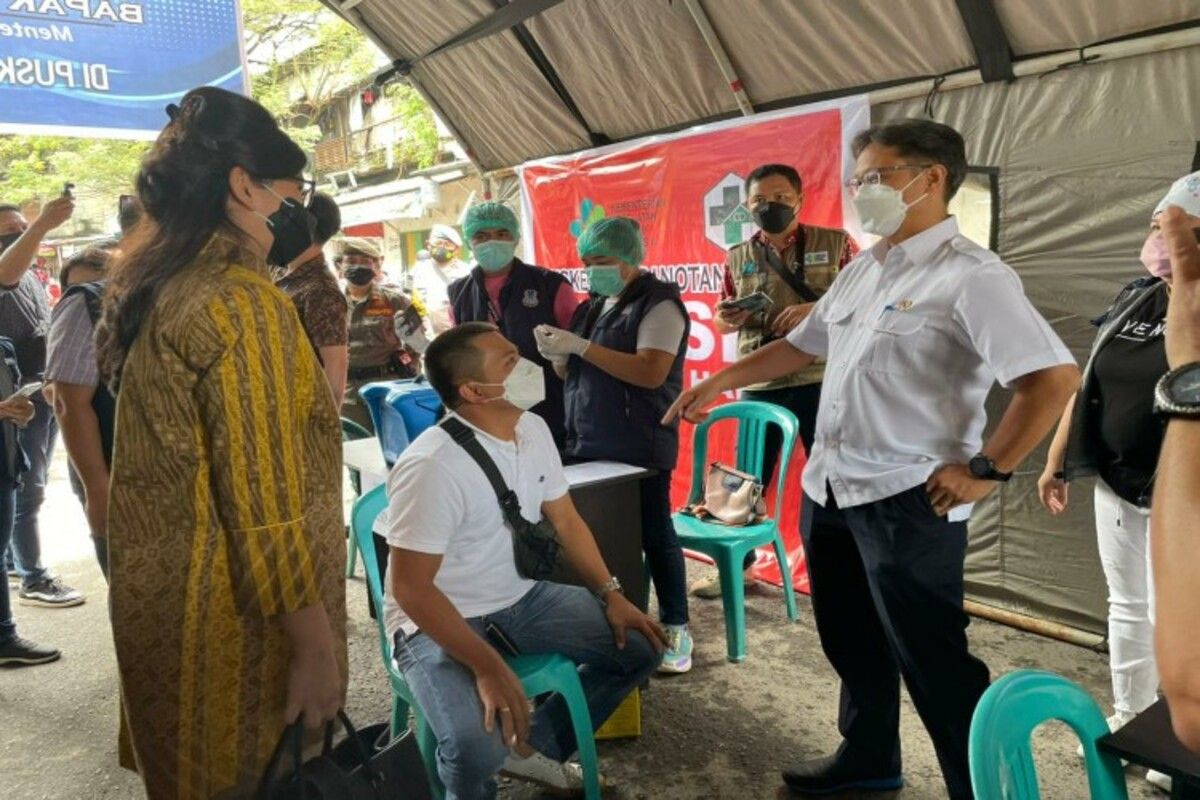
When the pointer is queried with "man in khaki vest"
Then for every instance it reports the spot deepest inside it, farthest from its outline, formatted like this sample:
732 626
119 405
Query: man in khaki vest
793 264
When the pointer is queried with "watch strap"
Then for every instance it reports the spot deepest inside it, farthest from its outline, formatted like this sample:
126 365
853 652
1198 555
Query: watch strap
610 585
992 473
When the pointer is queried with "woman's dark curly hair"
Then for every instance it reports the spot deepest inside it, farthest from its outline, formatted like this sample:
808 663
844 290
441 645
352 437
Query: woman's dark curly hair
183 186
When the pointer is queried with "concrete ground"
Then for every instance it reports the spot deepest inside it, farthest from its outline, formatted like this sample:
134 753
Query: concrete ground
722 731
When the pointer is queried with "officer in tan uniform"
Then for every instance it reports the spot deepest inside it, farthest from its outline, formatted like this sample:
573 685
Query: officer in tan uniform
793 264
386 326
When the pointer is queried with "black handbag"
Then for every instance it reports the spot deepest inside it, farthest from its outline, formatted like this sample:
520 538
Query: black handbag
536 549
367 765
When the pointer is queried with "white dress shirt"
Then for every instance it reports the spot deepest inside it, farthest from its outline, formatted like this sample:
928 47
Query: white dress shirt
440 502
915 335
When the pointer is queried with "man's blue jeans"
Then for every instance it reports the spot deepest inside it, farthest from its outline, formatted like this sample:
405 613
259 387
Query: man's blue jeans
551 618
25 551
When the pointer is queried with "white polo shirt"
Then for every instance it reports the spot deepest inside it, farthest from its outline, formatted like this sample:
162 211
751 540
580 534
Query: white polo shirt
440 502
915 335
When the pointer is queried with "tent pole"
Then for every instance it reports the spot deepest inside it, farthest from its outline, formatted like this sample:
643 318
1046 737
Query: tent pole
720 56
1042 627
1158 43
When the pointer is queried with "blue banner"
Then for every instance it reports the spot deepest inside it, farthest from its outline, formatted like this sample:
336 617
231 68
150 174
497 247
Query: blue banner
107 68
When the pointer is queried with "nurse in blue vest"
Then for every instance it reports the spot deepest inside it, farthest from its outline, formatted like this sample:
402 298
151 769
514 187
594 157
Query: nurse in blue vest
514 296
623 363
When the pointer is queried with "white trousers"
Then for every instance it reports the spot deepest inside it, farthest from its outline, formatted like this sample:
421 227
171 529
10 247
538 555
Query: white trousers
1123 532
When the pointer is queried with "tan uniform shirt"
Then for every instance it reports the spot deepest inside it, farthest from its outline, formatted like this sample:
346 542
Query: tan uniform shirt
815 255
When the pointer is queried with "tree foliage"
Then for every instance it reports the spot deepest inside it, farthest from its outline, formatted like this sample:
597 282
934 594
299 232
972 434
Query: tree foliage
302 58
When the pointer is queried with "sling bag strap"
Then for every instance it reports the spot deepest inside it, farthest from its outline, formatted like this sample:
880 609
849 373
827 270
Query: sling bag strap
793 279
510 506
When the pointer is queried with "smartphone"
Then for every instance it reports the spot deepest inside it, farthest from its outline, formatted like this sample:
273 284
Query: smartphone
68 190
751 302
30 389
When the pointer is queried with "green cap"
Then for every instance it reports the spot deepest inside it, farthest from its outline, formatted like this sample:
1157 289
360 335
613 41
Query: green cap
486 216
619 237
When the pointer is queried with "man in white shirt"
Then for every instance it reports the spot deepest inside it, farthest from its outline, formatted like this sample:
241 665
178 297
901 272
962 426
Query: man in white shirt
452 575
431 277
916 330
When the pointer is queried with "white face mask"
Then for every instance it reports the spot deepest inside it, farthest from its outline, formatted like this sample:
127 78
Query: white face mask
881 209
524 387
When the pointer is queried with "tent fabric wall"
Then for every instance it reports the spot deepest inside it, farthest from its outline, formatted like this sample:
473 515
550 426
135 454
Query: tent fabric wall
640 66
1083 156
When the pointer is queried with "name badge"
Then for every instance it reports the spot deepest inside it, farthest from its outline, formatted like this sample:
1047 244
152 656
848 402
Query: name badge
817 259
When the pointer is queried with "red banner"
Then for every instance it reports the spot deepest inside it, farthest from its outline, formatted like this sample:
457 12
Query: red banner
687 192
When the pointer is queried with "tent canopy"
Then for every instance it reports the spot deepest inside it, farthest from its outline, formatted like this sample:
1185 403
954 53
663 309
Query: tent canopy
585 72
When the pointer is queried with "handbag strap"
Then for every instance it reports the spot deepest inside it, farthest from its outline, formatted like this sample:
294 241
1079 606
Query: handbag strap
510 506
795 280
320 771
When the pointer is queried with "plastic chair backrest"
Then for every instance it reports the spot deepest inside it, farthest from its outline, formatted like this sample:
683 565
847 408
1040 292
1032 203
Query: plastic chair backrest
352 431
753 418
362 525
418 406
1002 765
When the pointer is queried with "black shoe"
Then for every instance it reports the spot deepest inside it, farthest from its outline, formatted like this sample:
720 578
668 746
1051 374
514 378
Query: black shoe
50 593
827 775
23 653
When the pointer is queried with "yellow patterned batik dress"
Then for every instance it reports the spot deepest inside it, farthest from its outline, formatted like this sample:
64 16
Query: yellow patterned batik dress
225 512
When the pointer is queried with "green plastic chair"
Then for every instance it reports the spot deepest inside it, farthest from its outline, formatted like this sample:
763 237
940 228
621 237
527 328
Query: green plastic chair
539 674
727 545
352 431
1001 759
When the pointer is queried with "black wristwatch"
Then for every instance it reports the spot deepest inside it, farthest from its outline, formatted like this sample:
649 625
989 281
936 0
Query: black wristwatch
984 469
1178 393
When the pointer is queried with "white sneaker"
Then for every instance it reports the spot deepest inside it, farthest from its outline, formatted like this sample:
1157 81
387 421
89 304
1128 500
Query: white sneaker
678 657
1158 780
710 588
563 780
1115 723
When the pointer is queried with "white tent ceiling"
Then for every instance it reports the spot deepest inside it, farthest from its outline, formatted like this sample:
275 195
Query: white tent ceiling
583 72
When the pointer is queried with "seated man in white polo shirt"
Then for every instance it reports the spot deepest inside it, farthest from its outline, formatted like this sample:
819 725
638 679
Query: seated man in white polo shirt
916 330
452 575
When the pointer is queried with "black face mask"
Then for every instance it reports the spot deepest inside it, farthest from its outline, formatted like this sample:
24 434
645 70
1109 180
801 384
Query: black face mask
774 217
359 276
293 227
7 240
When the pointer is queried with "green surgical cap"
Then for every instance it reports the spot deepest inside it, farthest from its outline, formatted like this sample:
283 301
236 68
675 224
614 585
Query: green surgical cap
486 216
618 237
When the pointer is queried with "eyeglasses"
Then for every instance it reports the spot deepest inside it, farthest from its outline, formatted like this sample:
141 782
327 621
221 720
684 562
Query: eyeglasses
874 177
307 187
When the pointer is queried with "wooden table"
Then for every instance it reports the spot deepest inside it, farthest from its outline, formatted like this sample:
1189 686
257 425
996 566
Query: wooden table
1149 741
607 494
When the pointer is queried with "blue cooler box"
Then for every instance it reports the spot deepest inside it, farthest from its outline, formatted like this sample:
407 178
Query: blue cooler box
400 411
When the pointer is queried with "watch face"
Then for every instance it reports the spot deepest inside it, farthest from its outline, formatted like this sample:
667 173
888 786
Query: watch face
1184 388
979 466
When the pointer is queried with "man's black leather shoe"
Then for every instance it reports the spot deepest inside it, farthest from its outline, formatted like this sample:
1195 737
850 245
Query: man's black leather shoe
827 775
